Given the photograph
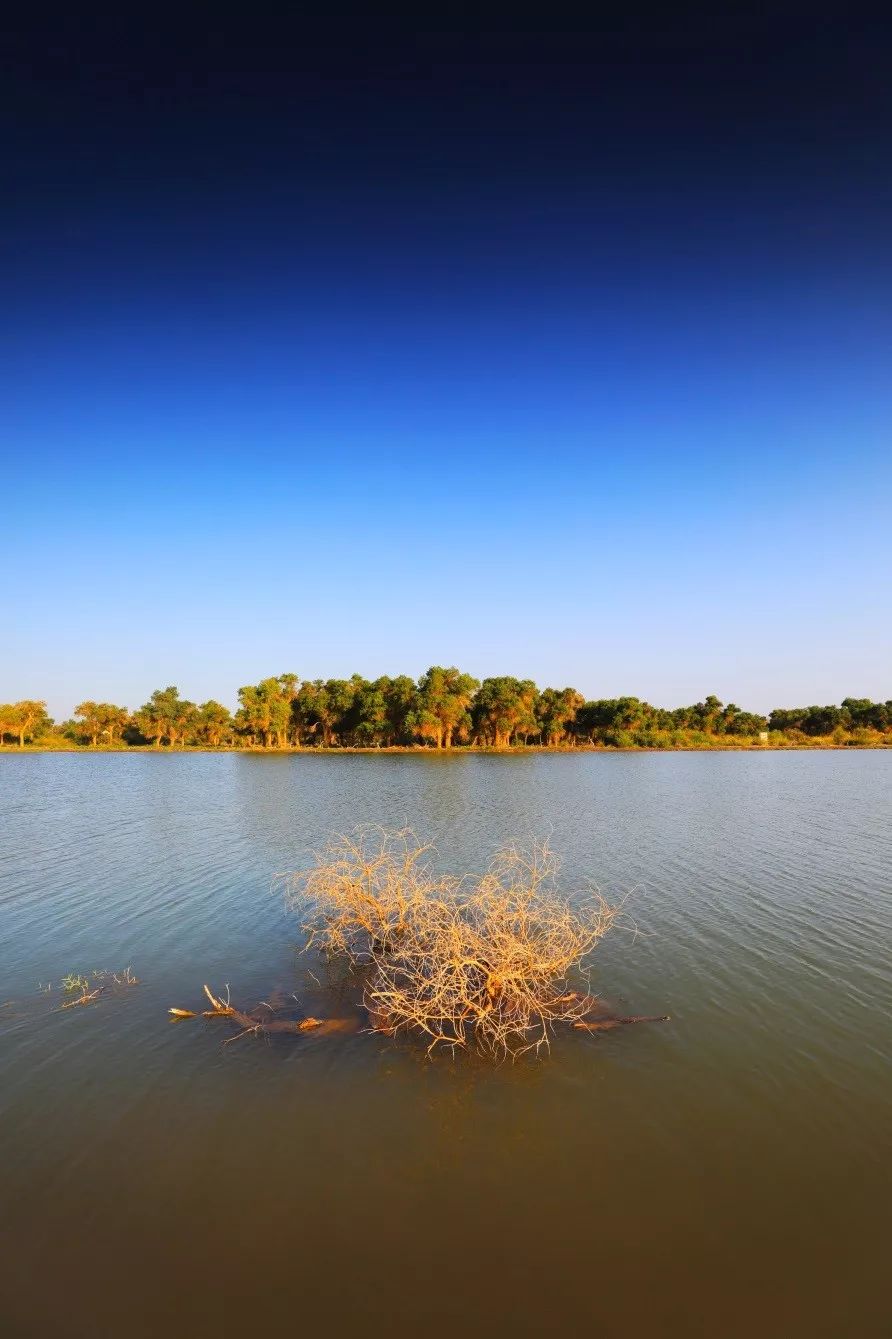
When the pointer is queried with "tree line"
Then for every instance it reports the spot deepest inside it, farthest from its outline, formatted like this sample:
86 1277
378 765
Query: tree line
443 709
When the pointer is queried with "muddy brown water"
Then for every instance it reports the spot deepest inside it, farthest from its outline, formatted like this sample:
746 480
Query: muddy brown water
725 1174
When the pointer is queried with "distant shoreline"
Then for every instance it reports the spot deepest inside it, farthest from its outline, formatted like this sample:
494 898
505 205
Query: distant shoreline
445 709
456 752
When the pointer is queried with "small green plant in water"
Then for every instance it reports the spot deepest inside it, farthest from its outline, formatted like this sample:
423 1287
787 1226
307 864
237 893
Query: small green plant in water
74 981
78 986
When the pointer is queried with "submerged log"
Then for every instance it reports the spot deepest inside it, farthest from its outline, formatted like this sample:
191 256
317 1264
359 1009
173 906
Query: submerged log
86 998
262 1020
258 1023
327 1027
380 1021
613 1020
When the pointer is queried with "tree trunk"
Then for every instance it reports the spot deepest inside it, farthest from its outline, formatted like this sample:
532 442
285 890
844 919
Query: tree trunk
21 739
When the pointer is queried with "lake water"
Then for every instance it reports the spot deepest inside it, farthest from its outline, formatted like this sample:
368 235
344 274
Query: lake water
725 1174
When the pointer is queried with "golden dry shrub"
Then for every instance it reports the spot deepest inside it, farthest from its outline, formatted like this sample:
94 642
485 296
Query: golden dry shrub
482 961
361 892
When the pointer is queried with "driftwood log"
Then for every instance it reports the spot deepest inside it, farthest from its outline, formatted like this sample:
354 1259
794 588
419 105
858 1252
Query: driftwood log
259 1023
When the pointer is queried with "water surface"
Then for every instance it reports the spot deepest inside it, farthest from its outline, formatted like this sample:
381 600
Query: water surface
724 1174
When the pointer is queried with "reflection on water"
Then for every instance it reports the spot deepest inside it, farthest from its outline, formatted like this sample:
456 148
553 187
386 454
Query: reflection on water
724 1174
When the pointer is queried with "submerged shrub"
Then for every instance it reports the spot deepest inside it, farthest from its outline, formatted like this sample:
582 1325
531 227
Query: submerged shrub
479 961
360 892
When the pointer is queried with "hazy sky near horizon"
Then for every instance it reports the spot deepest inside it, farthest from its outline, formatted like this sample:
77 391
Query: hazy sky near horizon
361 349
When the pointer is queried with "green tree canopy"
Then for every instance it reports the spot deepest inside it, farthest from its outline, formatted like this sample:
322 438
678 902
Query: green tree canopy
7 719
213 723
556 710
166 716
505 707
102 720
26 719
266 709
442 704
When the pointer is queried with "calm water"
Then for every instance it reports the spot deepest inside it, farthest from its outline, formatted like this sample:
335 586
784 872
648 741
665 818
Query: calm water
724 1174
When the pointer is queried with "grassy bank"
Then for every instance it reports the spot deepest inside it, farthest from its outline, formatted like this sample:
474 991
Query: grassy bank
720 744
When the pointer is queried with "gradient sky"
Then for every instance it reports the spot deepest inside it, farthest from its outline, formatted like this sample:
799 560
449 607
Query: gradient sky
361 349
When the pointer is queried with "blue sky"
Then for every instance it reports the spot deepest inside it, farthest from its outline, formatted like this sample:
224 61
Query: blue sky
589 425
